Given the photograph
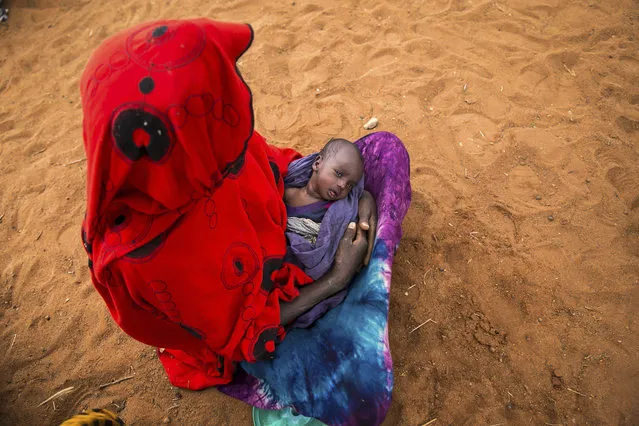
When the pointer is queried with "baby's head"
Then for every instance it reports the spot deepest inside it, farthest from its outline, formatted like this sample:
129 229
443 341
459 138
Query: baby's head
338 168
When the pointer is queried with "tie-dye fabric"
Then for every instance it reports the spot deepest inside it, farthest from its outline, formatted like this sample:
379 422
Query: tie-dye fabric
339 370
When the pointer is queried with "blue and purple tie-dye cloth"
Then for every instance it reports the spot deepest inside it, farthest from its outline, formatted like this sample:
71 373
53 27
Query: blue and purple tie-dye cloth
340 370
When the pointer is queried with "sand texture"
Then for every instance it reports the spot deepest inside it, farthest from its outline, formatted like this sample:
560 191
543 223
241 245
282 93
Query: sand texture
522 243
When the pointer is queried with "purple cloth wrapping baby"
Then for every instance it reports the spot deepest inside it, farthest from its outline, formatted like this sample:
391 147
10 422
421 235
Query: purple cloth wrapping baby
316 259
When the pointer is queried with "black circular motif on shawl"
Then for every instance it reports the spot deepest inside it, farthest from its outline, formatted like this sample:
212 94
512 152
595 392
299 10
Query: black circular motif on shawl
166 47
140 131
239 265
119 217
148 250
270 266
160 31
265 346
146 85
276 171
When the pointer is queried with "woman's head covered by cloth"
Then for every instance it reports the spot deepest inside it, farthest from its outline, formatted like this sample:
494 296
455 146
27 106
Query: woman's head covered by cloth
185 221
156 99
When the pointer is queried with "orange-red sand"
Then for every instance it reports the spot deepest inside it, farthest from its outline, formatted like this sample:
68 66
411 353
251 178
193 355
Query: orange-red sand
522 243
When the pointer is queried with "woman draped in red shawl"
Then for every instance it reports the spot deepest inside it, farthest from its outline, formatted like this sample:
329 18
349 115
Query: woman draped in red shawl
185 221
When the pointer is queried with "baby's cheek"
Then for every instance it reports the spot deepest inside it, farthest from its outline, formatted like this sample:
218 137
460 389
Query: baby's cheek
326 182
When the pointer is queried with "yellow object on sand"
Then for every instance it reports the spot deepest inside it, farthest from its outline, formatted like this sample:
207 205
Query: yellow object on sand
95 417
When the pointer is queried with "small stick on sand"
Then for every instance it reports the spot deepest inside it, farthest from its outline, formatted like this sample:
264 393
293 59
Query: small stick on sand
40 152
578 393
412 286
38 236
571 72
57 395
54 407
12 342
74 162
115 382
429 422
1 217
172 407
424 323
588 308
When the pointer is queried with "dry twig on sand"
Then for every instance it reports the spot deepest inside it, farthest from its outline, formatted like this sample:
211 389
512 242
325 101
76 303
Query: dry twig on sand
115 382
57 395
75 162
571 72
12 342
430 422
578 393
424 323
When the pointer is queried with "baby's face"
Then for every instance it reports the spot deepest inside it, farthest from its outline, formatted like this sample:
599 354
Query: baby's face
338 174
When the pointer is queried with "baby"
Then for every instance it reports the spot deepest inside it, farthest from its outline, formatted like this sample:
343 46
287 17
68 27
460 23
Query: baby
330 179
336 170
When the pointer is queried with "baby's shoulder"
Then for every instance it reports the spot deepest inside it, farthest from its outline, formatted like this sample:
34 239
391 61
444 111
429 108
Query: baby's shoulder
291 195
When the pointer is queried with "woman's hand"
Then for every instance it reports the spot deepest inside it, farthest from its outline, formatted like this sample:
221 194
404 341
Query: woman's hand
350 255
368 221
348 259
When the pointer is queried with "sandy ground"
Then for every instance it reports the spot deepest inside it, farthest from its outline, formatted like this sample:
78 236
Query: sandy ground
522 243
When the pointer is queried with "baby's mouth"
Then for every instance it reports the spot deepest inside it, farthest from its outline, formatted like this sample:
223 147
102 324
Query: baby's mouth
332 194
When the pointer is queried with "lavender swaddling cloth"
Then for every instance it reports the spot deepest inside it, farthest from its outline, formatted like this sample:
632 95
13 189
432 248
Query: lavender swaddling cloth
317 258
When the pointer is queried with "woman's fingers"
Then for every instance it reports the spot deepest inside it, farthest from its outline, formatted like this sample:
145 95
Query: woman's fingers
368 213
372 233
361 243
359 236
366 203
349 235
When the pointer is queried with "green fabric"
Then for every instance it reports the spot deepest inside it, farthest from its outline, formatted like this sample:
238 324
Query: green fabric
284 417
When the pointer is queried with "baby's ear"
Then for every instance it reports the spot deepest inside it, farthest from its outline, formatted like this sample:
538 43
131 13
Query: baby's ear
317 163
